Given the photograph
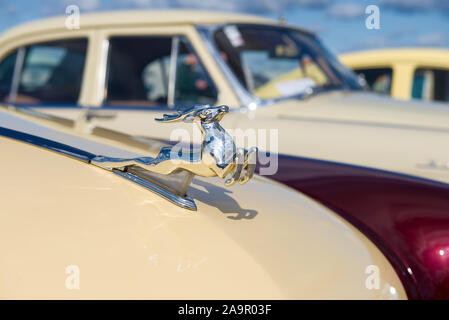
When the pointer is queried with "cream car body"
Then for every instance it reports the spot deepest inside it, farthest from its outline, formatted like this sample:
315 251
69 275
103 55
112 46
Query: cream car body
71 230
349 126
403 63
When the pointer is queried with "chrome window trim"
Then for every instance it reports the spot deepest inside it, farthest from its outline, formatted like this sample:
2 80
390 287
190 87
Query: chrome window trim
15 81
103 71
172 73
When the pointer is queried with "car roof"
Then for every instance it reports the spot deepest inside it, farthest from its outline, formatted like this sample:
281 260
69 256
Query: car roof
128 18
418 55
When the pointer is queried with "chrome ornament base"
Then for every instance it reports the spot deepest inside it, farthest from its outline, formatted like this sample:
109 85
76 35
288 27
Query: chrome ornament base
184 202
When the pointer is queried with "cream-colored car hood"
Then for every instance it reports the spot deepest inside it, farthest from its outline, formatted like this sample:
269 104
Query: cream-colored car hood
365 107
359 128
261 240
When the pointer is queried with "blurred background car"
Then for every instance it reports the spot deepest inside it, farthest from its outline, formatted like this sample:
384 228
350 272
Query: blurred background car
409 73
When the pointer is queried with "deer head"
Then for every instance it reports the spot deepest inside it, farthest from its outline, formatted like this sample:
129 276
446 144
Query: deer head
202 114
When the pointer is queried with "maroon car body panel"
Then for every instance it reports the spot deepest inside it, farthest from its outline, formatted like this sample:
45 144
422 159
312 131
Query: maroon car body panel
406 217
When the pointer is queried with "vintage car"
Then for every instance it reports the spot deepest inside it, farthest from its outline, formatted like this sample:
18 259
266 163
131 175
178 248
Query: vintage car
84 216
119 70
405 73
405 217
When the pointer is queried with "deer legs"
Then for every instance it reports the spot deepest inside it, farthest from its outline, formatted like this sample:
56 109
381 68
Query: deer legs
245 164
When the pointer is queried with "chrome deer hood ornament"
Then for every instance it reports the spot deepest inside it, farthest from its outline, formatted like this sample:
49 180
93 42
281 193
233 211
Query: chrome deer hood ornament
170 173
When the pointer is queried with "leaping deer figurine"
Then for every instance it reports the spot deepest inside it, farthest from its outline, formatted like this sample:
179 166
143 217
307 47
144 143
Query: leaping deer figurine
218 156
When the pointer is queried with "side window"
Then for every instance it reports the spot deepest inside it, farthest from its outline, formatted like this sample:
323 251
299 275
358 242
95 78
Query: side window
6 74
431 84
138 70
141 73
378 80
52 72
193 85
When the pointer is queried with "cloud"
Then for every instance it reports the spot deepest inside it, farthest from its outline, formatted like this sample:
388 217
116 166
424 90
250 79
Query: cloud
262 7
373 42
348 10
431 39
11 9
317 28
84 5
255 6
89 5
58 8
415 5
319 4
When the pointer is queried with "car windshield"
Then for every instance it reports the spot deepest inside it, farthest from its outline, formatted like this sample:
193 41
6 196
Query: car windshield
276 62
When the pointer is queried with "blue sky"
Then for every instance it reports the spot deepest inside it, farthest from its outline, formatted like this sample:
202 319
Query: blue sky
340 23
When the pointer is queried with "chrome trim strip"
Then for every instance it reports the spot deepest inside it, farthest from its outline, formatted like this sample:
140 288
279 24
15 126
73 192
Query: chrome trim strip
161 107
172 72
186 202
47 144
103 71
16 75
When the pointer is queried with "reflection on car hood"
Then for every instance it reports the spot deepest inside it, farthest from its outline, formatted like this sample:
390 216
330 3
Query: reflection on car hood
261 240
364 107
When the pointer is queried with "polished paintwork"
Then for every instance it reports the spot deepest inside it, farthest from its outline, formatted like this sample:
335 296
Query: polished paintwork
260 240
407 217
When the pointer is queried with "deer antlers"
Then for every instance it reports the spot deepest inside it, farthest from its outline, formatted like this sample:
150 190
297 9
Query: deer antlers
186 115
